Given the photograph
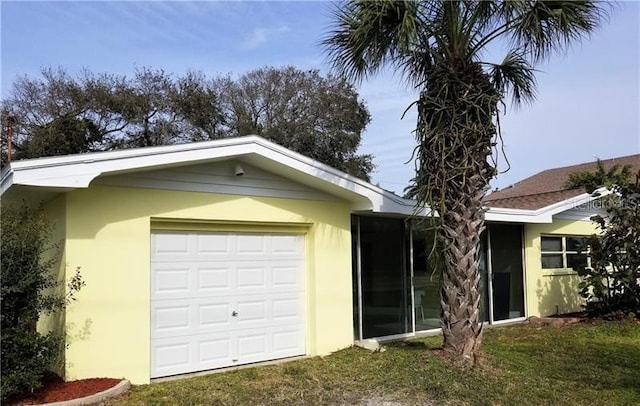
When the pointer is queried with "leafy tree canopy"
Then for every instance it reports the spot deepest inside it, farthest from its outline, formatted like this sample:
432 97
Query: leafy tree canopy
317 116
611 284
616 176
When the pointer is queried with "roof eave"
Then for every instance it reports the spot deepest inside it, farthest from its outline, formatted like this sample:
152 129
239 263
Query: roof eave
544 214
78 171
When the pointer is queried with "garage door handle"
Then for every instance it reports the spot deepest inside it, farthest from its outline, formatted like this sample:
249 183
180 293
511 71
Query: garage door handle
234 313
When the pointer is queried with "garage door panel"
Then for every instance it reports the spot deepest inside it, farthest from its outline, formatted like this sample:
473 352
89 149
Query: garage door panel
170 245
224 299
215 352
251 311
191 316
178 355
286 276
280 308
171 280
287 309
283 245
251 276
169 357
251 345
203 315
216 315
288 341
251 244
215 245
212 279
190 279
172 318
270 343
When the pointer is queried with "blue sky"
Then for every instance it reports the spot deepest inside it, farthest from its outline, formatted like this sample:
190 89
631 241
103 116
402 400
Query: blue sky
588 104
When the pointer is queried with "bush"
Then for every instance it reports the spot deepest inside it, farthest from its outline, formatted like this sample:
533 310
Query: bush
26 265
611 286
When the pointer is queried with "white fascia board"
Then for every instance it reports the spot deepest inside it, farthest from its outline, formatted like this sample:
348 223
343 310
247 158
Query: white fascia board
381 201
77 171
6 179
506 215
542 215
576 201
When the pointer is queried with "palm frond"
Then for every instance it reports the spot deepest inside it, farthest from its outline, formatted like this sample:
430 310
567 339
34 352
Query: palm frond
368 34
544 27
515 76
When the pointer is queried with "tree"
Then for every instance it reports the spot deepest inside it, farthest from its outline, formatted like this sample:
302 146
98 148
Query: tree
197 100
320 117
437 46
317 116
62 136
611 284
44 110
27 291
615 176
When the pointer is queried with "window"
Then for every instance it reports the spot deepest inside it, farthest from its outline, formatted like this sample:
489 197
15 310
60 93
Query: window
563 252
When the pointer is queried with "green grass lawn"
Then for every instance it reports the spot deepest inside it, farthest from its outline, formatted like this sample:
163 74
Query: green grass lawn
583 364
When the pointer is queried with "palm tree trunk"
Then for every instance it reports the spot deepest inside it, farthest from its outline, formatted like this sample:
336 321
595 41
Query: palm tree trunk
460 292
456 133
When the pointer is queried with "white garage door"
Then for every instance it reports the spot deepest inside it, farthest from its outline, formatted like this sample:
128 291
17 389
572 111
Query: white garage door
224 299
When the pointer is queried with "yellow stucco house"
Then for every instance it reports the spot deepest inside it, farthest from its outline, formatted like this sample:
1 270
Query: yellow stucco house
222 253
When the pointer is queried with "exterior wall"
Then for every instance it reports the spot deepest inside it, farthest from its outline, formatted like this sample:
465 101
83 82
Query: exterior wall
217 177
108 236
55 212
551 291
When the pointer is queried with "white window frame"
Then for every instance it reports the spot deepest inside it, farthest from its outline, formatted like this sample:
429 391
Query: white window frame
563 251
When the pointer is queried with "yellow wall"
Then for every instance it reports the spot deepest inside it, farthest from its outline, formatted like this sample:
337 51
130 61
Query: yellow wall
108 236
551 291
55 212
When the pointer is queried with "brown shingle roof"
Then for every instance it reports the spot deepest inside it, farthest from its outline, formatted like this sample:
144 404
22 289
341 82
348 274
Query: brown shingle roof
548 187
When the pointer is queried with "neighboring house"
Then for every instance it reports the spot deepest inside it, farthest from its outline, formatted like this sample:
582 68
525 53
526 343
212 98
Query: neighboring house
551 247
235 251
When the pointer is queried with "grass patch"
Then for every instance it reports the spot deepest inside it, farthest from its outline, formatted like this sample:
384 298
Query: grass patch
595 364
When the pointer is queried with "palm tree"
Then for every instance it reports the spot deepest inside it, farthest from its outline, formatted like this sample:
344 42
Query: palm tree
438 46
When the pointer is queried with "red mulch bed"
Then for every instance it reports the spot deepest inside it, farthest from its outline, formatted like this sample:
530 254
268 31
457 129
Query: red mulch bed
580 315
54 389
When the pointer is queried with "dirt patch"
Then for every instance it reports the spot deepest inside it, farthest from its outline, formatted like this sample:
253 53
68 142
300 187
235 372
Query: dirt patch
553 321
380 399
54 389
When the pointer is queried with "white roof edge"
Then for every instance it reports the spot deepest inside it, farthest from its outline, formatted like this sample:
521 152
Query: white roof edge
77 171
544 214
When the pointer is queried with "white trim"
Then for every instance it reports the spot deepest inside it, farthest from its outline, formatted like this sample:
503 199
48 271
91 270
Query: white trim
524 271
219 178
489 277
580 214
392 337
411 279
508 321
359 279
544 214
78 171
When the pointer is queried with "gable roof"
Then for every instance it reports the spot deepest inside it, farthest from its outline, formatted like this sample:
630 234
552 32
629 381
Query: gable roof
63 173
548 187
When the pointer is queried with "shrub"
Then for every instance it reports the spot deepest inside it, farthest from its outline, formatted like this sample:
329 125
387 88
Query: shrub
26 265
611 286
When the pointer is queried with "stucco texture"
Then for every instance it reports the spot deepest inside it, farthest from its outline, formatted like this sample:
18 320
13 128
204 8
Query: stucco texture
108 237
551 291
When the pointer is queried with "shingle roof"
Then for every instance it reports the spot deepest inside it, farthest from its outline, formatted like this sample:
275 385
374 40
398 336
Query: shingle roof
548 187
